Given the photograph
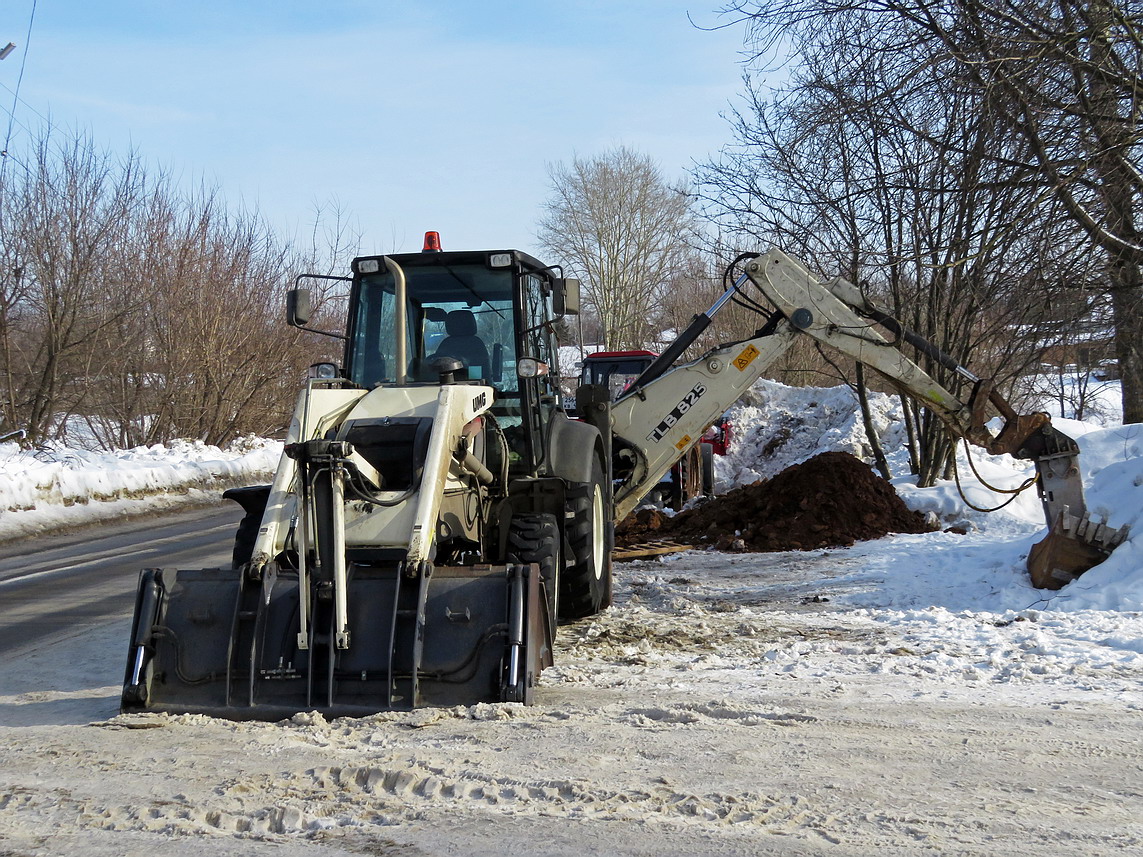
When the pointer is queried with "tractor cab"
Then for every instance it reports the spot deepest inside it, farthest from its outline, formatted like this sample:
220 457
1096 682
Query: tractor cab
484 317
616 370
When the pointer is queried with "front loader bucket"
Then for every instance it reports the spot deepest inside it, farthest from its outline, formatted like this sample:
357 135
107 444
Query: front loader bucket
216 642
1072 546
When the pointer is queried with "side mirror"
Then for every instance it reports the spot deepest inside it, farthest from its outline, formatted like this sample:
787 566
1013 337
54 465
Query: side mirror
298 307
565 299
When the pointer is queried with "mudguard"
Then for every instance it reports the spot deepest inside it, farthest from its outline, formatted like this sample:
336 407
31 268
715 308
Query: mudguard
574 445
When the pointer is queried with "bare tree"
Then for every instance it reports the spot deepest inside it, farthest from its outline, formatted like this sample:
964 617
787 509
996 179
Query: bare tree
1062 80
883 161
614 221
145 312
65 219
222 361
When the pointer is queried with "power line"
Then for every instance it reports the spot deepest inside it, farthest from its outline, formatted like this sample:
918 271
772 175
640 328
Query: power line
22 101
19 81
12 118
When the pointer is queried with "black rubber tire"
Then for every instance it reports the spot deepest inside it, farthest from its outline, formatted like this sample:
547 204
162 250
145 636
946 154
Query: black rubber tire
680 476
587 584
707 469
536 538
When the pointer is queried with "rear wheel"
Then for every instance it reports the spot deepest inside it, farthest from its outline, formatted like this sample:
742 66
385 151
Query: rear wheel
707 451
536 538
681 477
586 585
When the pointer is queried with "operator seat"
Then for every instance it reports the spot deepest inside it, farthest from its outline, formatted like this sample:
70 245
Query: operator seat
462 343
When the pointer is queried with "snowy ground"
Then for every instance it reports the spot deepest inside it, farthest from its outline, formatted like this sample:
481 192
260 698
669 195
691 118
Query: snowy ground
912 695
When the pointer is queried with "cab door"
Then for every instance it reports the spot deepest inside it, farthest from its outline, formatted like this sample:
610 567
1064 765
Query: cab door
540 394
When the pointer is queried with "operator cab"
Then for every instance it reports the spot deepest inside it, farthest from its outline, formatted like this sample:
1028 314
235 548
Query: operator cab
455 308
489 310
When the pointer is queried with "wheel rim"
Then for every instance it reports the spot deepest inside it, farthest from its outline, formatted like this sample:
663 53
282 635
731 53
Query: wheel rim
597 533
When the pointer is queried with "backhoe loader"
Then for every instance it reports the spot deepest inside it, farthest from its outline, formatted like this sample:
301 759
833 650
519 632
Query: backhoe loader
436 512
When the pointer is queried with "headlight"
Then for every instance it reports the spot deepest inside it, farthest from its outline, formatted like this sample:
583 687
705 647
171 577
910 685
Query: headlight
530 367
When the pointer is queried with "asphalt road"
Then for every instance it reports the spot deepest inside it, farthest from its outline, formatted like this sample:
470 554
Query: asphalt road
53 585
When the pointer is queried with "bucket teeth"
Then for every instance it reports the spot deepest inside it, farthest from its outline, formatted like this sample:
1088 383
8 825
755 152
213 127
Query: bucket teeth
1095 533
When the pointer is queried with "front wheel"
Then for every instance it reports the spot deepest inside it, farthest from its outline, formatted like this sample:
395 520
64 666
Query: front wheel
536 538
587 584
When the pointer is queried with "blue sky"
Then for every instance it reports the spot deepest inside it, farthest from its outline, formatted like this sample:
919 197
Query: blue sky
408 116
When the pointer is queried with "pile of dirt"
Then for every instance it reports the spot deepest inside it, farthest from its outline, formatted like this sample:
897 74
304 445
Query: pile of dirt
832 500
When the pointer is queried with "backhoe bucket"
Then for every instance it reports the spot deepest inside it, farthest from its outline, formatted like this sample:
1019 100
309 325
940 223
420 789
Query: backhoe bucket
1072 546
216 642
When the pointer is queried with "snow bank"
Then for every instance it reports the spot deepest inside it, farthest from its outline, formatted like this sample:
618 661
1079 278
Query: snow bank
919 607
984 569
54 487
776 426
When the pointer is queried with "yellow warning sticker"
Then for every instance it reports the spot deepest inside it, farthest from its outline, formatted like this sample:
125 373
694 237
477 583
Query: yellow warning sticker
746 357
684 443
